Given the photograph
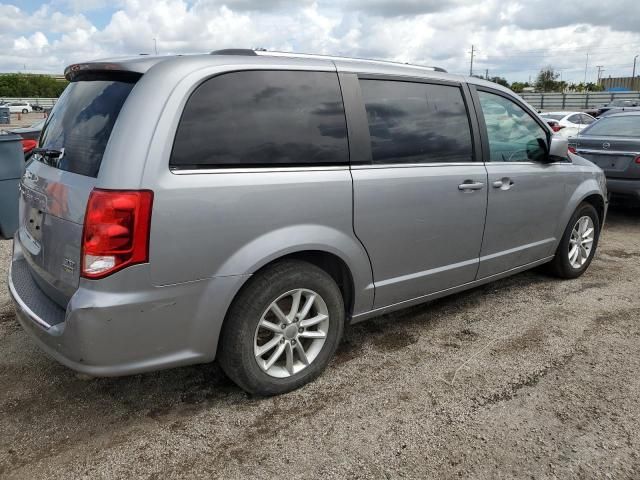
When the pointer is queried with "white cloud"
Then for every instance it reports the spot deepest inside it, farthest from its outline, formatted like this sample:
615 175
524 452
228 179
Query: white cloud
513 38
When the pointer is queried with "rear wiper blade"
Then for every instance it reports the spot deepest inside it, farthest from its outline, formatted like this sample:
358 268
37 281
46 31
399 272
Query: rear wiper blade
49 152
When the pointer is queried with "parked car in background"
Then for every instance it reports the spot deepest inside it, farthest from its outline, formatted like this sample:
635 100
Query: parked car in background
37 108
570 123
554 124
613 143
271 199
612 111
618 103
20 107
29 136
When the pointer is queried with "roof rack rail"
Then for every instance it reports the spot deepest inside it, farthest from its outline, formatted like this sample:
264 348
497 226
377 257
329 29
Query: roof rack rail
234 51
264 51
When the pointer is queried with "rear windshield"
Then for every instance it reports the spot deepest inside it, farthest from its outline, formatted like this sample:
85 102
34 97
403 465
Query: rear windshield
80 124
627 126
554 116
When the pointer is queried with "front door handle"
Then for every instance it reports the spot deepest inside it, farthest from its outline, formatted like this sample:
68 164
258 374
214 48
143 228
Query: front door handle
469 185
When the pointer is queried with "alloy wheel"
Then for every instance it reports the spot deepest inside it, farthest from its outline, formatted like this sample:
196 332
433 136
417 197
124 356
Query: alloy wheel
287 343
581 242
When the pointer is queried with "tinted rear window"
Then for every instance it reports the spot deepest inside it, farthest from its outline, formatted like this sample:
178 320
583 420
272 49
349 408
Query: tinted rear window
628 126
416 122
263 118
81 123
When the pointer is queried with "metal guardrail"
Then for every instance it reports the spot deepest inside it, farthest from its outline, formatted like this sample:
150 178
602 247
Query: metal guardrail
43 102
575 101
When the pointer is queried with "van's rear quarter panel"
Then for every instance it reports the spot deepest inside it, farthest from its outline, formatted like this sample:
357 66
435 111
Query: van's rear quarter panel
220 224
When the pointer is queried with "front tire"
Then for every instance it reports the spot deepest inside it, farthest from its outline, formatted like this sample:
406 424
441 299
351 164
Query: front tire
282 329
578 244
24 110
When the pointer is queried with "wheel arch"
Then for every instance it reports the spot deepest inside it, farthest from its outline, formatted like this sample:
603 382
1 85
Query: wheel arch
588 191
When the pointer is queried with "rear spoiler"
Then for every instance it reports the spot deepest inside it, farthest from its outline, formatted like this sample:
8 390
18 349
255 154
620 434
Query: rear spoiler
129 71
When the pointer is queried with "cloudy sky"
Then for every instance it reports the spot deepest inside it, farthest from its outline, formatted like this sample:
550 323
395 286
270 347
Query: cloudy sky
514 38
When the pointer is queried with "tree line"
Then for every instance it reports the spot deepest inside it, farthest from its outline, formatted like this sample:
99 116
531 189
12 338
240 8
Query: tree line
547 81
29 85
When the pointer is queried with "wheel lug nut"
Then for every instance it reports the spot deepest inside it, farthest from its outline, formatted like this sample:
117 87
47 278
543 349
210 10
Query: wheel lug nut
300 330
283 326
293 341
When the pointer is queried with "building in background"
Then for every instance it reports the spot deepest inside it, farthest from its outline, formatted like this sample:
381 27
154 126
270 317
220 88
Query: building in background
621 84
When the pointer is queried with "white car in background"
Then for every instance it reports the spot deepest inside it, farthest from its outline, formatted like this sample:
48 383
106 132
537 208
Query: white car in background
19 107
571 123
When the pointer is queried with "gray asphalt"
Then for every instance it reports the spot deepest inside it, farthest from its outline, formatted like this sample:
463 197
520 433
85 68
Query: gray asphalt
529 377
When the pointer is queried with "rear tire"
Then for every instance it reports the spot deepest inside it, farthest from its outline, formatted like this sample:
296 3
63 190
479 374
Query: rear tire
573 256
254 325
24 110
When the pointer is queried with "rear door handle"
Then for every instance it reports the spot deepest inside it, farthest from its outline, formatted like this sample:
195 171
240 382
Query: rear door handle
469 185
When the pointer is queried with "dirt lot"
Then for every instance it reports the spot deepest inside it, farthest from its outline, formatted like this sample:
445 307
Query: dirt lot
529 377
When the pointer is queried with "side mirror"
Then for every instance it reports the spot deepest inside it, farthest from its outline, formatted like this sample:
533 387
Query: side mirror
537 150
558 149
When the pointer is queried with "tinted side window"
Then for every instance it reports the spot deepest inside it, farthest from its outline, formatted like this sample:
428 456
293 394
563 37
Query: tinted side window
514 136
261 118
416 122
574 118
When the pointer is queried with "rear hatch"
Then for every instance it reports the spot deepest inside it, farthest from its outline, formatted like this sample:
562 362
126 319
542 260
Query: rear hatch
58 180
615 155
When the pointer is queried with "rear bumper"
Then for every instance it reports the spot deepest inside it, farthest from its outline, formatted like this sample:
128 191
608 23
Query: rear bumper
119 330
628 188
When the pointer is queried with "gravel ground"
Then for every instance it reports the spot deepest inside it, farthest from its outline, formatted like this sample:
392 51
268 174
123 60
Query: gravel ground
529 377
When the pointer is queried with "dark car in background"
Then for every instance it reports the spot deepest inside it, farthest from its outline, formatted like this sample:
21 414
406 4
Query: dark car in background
618 103
615 110
613 143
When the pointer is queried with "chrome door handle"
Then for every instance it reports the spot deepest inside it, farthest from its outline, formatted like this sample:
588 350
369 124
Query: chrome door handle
469 185
503 184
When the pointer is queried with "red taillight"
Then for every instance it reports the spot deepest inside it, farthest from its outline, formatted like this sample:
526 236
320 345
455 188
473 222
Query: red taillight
116 231
572 149
28 145
638 160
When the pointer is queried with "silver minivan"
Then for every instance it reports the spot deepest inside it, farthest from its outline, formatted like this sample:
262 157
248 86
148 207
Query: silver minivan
248 205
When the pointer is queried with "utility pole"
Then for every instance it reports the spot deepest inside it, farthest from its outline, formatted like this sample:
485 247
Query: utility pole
471 66
600 70
633 75
486 74
586 65
155 46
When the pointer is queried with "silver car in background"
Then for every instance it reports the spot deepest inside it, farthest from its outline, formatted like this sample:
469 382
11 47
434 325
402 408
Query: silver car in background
248 205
